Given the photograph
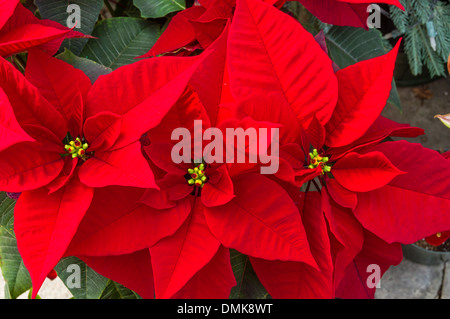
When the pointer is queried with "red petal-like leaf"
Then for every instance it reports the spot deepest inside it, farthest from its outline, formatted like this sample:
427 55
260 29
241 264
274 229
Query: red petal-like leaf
363 274
363 91
160 154
70 164
413 205
102 130
123 167
363 173
208 79
269 229
184 112
23 31
179 32
61 84
351 13
178 258
30 107
300 280
45 224
378 131
7 8
438 238
10 131
337 12
221 191
341 195
144 93
116 223
214 281
25 166
346 235
270 53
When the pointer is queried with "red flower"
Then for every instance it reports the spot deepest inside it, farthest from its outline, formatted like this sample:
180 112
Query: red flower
370 196
20 30
194 28
59 141
438 238
202 208
198 26
278 83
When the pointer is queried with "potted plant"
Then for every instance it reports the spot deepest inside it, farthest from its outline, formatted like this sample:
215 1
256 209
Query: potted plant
431 250
425 47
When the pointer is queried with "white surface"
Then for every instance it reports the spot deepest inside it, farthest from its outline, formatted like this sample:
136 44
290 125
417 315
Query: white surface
51 289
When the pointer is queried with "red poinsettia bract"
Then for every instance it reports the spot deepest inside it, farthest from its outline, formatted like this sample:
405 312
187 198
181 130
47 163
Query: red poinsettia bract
353 13
370 193
207 207
198 26
21 30
279 84
60 142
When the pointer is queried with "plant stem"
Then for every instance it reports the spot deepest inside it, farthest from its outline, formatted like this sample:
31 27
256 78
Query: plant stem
18 61
109 7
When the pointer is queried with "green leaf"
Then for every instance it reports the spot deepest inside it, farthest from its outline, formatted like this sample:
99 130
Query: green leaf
347 46
56 10
91 68
7 213
120 40
159 8
17 278
82 281
248 285
115 290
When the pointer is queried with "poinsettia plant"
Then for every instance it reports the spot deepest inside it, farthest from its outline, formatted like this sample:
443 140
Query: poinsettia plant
115 143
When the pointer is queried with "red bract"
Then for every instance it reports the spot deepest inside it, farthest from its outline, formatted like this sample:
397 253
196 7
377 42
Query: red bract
200 219
438 238
278 84
20 30
353 13
60 141
198 26
194 28
372 200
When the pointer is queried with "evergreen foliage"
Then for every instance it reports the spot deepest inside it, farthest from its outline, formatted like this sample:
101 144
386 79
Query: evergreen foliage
425 27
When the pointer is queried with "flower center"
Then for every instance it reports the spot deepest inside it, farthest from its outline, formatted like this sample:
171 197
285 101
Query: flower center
197 176
318 160
76 148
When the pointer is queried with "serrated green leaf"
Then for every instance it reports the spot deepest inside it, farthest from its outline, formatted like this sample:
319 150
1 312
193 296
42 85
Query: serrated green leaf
17 278
91 68
7 213
248 285
115 290
347 46
56 10
159 8
82 281
120 40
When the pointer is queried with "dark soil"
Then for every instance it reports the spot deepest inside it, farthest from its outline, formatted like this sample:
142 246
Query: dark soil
444 247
